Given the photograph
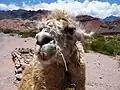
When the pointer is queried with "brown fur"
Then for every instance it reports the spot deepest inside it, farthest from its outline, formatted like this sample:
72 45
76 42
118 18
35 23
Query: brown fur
52 75
27 80
77 71
34 78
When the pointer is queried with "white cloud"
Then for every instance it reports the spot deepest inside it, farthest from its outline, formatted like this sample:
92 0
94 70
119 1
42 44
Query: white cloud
93 8
9 7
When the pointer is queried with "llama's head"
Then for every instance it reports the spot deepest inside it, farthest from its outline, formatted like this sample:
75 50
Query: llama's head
57 35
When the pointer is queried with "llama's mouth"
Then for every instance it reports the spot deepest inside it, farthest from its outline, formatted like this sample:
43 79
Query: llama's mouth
46 51
45 45
44 41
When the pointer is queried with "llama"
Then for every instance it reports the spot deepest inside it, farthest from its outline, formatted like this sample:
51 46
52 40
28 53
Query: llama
58 56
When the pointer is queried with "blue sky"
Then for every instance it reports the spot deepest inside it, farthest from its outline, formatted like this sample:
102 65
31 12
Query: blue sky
96 8
47 1
112 1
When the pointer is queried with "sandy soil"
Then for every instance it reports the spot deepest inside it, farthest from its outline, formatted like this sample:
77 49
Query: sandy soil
102 72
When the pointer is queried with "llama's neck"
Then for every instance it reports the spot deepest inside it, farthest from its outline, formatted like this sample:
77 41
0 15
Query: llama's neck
50 75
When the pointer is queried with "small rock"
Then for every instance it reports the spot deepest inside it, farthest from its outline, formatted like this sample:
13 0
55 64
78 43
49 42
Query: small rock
19 76
101 78
25 41
98 63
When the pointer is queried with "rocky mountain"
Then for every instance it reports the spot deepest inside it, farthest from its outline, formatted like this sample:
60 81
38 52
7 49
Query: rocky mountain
110 28
27 20
110 18
23 14
88 23
17 24
21 19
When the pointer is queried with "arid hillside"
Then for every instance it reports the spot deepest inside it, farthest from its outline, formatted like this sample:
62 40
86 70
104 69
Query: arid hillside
26 20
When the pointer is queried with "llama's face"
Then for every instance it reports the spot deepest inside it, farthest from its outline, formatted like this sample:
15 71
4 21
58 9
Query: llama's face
53 38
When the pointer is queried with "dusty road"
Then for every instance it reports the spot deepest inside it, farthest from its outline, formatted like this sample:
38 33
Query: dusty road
102 72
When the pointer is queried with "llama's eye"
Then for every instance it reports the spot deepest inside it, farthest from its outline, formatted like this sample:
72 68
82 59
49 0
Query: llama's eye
41 29
47 30
71 31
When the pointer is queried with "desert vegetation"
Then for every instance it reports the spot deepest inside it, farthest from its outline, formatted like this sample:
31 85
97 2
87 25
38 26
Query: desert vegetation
23 34
109 45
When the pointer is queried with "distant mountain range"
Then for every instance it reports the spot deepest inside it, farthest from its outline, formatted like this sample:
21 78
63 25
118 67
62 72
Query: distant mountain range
22 14
33 15
27 20
110 18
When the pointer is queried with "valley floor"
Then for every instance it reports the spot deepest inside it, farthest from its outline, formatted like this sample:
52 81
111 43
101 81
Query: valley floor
102 72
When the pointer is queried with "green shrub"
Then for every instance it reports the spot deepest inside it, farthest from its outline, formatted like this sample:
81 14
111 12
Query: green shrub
26 34
105 45
8 31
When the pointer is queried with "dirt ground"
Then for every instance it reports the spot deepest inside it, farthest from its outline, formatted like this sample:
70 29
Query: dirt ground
102 72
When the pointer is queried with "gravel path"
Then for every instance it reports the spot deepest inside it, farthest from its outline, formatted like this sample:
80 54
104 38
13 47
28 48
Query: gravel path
7 45
102 72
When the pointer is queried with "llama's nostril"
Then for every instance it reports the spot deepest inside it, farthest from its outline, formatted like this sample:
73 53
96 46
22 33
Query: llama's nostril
44 40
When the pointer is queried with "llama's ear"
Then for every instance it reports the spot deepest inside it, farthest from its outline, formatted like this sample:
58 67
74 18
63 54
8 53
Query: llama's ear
82 35
88 35
79 36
